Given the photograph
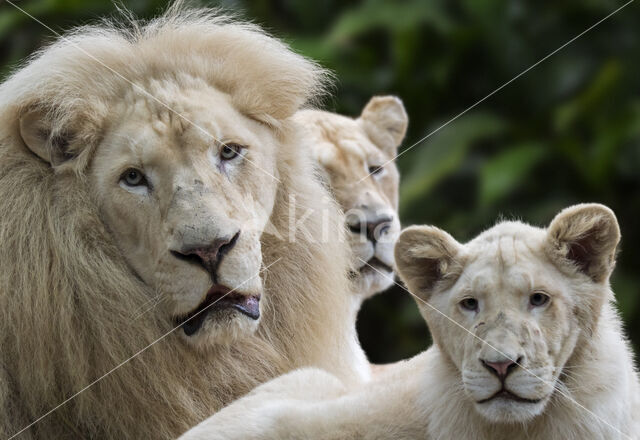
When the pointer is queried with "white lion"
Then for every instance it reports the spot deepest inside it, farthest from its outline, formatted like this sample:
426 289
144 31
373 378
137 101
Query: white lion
147 174
527 345
357 161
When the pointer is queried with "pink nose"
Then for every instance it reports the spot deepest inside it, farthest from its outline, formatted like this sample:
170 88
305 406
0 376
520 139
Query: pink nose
502 368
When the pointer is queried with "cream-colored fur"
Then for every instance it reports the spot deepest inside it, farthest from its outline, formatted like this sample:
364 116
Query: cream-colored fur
97 264
356 157
574 379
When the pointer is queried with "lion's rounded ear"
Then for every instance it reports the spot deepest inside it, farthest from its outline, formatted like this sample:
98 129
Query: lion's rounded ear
585 237
35 133
38 136
425 256
385 121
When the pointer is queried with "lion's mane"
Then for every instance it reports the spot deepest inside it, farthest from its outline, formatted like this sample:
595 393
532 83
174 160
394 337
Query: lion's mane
69 304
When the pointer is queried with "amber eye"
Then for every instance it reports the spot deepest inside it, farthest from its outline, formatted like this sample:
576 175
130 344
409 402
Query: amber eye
230 151
133 177
373 170
470 304
538 299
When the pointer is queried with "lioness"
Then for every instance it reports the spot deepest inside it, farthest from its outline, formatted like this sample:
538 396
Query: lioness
527 346
356 157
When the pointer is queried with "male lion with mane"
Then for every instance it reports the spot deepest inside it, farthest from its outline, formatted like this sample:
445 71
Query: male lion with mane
146 173
527 345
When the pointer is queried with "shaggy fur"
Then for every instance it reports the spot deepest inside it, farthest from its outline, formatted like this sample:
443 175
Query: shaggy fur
575 342
69 302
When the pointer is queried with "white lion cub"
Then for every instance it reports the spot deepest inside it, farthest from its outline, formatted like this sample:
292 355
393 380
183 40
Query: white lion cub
528 345
527 340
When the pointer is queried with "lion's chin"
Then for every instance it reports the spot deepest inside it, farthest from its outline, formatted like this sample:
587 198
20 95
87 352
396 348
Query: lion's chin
374 276
505 407
224 328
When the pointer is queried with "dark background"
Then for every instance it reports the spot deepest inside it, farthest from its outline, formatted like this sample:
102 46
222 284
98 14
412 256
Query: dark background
567 131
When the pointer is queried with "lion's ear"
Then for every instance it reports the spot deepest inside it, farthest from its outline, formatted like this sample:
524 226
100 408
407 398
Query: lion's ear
426 255
585 237
385 121
37 134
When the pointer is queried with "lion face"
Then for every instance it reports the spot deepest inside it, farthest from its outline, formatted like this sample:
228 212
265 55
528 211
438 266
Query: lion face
521 311
186 198
356 156
187 205
520 297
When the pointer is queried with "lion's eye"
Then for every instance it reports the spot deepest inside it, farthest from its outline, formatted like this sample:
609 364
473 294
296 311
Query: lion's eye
470 304
377 169
230 151
133 177
538 299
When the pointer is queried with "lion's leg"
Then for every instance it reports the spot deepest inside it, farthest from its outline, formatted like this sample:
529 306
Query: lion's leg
312 404
265 412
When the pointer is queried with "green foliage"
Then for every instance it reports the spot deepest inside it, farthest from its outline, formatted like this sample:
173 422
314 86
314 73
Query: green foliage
443 155
567 131
507 171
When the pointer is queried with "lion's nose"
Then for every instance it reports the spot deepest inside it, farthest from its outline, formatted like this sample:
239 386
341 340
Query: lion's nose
501 369
373 230
209 255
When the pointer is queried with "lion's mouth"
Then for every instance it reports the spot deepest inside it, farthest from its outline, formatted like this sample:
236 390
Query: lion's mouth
375 265
508 395
219 298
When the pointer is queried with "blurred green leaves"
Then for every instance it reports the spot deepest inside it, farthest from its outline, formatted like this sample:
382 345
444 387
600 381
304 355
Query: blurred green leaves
394 17
507 171
437 157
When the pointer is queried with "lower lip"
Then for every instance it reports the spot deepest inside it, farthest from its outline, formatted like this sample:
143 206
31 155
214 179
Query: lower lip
506 395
